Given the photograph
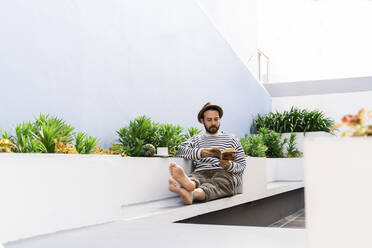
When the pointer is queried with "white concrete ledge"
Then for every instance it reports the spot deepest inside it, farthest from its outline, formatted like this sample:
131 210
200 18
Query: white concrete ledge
47 193
172 209
319 87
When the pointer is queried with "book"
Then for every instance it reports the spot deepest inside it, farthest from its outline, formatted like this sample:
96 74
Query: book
228 154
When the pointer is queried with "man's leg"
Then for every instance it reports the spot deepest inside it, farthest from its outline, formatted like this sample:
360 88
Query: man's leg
199 194
179 175
186 196
221 185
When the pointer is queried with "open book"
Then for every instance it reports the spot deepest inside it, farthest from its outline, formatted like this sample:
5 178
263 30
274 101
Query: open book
228 154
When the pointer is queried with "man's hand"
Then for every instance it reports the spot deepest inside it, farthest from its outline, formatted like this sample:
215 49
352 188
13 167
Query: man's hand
211 152
225 163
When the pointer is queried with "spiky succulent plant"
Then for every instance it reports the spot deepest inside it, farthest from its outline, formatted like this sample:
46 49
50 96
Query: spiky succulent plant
148 150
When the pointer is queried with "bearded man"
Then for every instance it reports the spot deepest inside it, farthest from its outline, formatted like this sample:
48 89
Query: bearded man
213 176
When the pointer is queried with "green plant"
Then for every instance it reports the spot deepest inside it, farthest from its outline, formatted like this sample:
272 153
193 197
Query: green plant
48 130
294 120
140 131
191 131
253 145
26 140
170 136
267 143
4 135
85 144
117 149
148 150
292 151
271 139
46 133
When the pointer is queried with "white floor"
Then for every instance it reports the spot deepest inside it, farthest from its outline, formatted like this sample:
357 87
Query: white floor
140 234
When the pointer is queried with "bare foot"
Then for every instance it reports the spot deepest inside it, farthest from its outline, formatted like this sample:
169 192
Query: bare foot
185 195
179 175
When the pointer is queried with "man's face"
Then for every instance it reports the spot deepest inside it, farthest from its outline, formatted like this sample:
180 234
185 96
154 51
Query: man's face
211 121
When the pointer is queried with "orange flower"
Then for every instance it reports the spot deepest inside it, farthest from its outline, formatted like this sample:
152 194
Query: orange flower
348 119
357 123
361 112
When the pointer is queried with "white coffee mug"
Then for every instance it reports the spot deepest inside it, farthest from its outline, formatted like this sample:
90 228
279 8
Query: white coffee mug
162 151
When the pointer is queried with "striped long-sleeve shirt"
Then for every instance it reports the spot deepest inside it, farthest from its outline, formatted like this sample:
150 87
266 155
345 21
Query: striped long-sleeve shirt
191 149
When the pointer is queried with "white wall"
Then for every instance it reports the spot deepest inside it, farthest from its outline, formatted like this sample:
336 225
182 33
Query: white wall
311 40
99 64
236 20
333 105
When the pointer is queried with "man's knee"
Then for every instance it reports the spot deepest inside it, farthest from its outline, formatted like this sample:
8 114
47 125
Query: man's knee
217 190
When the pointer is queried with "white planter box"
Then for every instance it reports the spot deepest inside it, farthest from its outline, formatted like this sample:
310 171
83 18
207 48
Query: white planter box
280 169
338 192
254 177
44 193
300 137
285 169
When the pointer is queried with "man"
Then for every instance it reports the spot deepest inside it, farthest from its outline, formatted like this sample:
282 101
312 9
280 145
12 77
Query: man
212 176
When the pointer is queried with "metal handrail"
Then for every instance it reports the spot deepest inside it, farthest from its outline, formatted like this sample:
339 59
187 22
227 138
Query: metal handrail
260 54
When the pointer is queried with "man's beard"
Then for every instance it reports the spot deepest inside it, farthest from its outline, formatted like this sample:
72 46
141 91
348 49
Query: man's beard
211 129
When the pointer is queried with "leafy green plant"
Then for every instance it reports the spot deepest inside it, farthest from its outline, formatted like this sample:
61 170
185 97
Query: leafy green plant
5 135
47 130
117 149
294 120
292 151
191 131
140 131
267 143
25 139
272 140
170 136
253 145
85 144
45 133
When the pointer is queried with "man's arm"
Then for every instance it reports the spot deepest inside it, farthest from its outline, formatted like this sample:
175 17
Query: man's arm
190 150
238 166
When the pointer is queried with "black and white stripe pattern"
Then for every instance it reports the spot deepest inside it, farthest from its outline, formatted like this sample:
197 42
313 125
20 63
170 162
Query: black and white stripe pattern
192 147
